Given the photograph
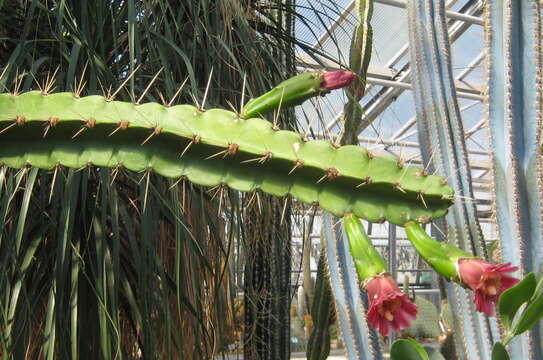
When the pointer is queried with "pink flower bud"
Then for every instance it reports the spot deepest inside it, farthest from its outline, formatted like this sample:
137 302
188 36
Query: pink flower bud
390 309
488 281
337 79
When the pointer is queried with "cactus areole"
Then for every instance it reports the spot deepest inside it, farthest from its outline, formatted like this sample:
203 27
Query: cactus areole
216 147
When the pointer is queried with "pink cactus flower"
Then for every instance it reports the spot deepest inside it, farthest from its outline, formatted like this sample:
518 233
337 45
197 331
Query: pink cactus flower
488 281
390 309
337 79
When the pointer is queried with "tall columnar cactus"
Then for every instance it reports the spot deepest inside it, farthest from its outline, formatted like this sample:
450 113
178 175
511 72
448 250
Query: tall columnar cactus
441 136
514 105
359 60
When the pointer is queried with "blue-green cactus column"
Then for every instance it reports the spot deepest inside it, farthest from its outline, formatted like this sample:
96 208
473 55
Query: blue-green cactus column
513 40
441 137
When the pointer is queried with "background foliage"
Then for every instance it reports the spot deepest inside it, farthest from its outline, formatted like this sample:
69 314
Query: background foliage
101 263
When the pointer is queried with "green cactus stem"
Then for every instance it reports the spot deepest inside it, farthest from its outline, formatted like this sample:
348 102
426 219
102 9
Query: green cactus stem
214 148
442 257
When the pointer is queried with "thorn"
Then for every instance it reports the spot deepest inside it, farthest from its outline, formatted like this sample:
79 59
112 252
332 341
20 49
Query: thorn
299 163
155 132
49 85
400 163
370 155
86 166
325 176
195 140
214 189
258 202
20 120
221 196
177 92
422 199
51 122
162 100
261 160
57 166
147 174
233 108
182 178
17 84
110 98
232 149
257 197
276 113
196 103
4 73
284 210
366 181
121 125
314 205
148 86
89 124
115 171
7 128
438 229
242 102
78 87
107 93
202 108
398 187
83 128
225 152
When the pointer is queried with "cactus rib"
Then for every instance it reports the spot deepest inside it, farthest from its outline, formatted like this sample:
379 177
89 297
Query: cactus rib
210 148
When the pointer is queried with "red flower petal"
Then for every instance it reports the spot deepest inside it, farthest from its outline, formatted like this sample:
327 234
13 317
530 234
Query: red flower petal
487 280
390 309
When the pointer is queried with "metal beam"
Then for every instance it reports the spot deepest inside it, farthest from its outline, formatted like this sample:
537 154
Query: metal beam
450 14
379 75
467 18
386 96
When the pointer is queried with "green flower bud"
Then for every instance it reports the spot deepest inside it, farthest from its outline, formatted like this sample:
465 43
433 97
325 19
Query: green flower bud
296 90
367 260
442 257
